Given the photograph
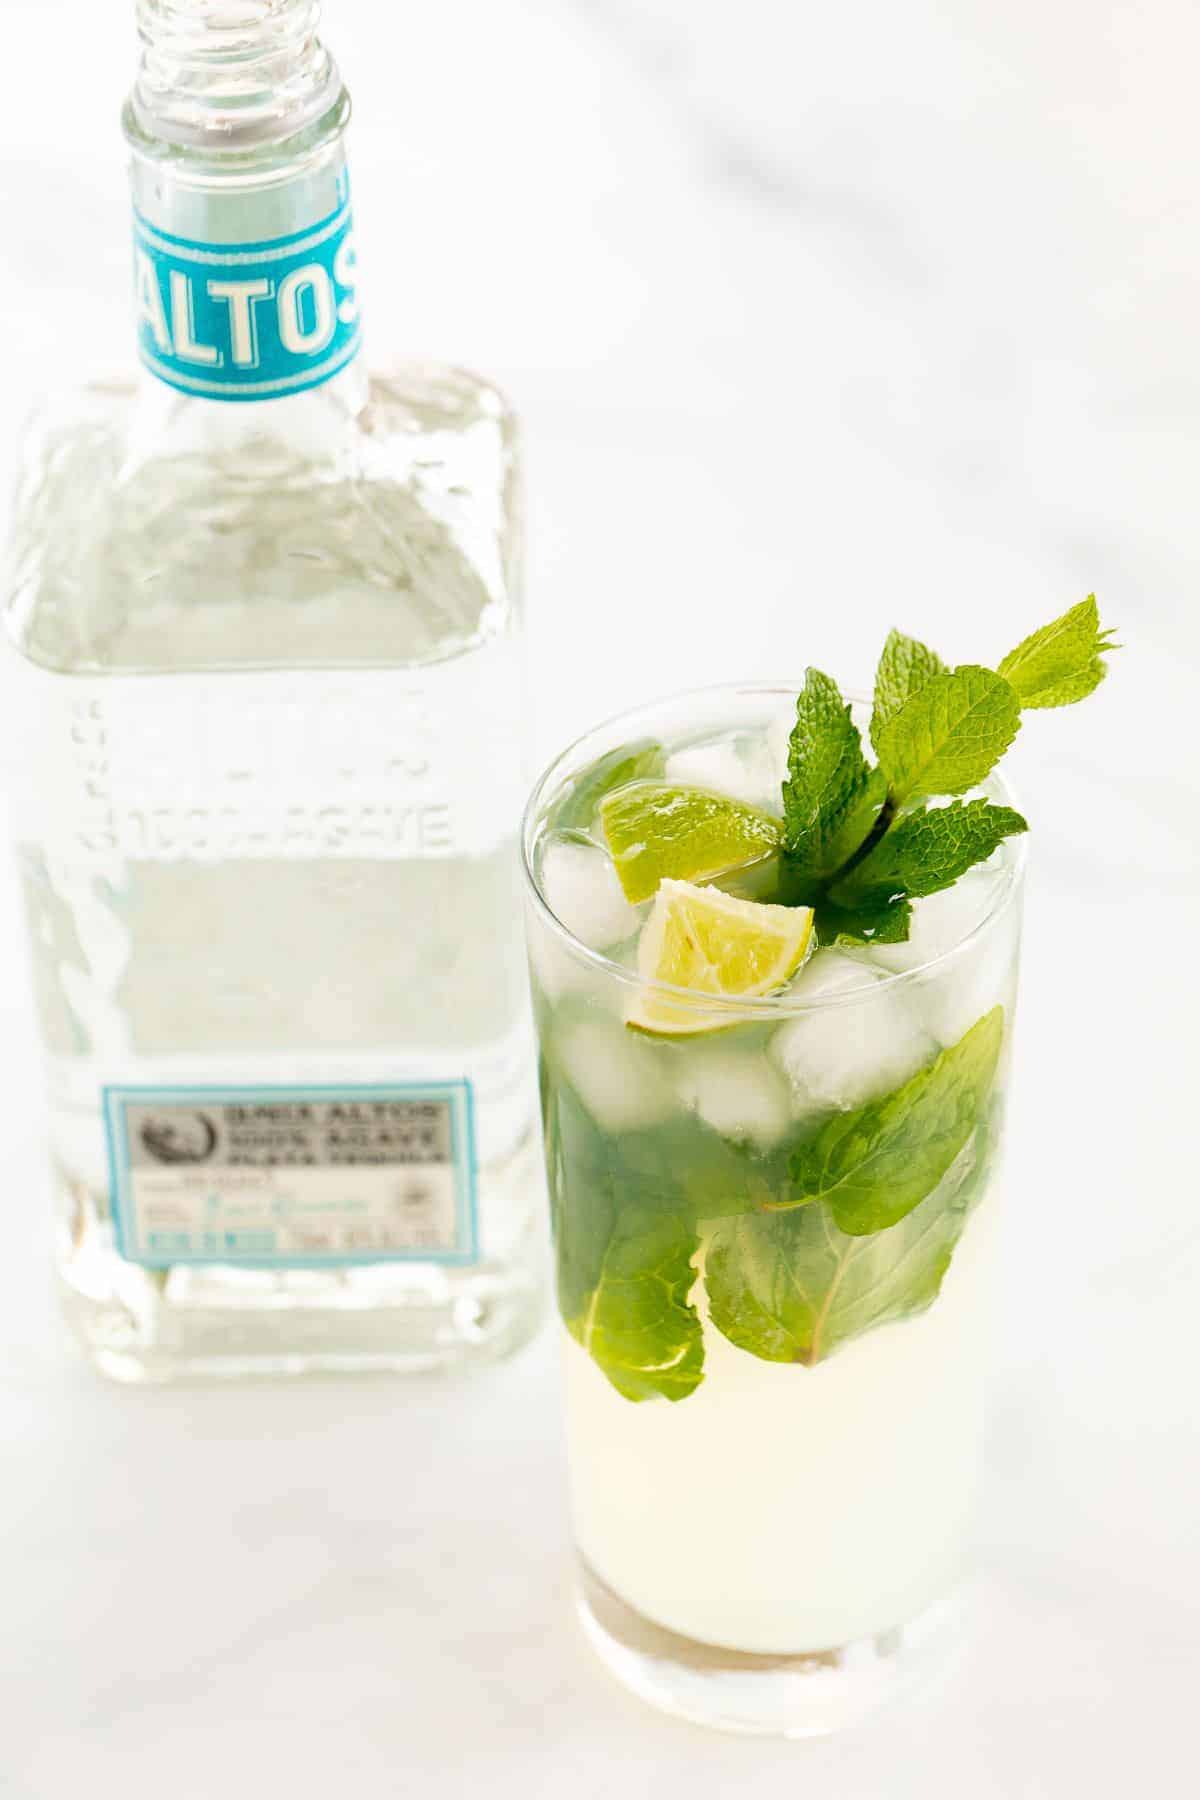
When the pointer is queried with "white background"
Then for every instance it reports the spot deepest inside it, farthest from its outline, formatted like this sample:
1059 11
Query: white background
821 318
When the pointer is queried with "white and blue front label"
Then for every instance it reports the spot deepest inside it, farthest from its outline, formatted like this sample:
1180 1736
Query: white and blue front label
296 1177
247 321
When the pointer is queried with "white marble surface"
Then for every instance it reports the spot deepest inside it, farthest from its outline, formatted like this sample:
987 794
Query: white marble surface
821 319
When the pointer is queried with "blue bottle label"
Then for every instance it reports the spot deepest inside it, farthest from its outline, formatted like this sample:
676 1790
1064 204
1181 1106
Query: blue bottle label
293 1177
247 321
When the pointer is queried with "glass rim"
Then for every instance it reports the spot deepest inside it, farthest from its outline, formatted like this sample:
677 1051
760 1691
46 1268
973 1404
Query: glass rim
748 1009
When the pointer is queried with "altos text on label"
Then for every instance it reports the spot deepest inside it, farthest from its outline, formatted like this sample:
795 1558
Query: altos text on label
247 321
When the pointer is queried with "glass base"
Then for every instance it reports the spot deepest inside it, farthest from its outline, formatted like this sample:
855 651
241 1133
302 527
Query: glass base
807 1695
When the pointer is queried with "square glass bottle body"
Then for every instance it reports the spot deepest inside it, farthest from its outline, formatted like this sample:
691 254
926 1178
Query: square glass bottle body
264 687
264 691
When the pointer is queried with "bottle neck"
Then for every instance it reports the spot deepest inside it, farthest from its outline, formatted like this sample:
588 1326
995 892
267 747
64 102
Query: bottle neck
245 285
231 75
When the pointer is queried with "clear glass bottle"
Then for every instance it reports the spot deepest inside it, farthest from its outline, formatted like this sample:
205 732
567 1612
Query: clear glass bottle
264 685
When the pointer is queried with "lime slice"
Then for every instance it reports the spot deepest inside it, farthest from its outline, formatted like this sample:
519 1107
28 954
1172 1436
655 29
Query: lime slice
712 943
658 831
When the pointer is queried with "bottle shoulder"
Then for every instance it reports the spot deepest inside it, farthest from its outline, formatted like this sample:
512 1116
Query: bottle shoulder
292 535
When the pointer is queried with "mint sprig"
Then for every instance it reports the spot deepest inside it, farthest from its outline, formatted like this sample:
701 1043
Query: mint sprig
904 668
867 1225
878 918
860 841
872 1166
1063 662
948 735
928 851
830 797
806 1245
792 1287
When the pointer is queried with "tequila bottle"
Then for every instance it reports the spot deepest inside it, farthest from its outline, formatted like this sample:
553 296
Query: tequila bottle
264 683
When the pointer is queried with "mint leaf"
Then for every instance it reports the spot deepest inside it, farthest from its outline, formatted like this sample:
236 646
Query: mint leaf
830 796
679 1166
638 1326
928 851
948 735
625 1209
624 1269
904 668
1063 662
873 1165
791 1287
875 918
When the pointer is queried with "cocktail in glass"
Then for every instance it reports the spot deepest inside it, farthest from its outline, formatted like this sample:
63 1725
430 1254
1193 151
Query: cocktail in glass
775 1228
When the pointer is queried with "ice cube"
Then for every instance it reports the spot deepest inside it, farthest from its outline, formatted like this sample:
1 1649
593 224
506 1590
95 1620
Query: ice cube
619 1077
740 1094
559 969
939 922
844 1055
582 891
778 737
768 770
739 768
972 982
952 1002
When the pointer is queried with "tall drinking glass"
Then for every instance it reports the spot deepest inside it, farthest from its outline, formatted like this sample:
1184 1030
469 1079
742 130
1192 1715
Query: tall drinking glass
774 1400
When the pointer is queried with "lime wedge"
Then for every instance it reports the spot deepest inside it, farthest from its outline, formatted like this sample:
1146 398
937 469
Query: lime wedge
712 943
633 762
657 831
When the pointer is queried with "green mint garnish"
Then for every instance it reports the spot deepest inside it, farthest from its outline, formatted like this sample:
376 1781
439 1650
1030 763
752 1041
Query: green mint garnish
948 735
859 841
905 666
1063 662
791 1287
927 851
877 918
873 1165
829 798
